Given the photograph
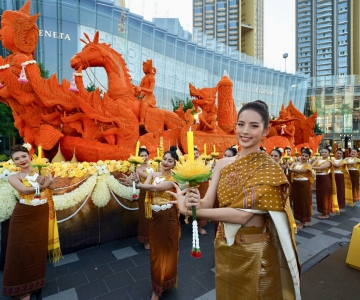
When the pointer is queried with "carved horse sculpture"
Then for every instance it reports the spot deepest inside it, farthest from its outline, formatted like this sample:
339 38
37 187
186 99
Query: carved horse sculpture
120 88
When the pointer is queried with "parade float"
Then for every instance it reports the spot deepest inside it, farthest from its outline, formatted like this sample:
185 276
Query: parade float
98 131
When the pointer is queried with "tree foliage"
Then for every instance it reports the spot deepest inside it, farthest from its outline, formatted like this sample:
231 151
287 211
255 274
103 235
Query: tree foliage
7 127
43 72
91 87
187 104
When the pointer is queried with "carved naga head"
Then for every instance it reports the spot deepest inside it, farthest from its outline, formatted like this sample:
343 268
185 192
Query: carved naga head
19 32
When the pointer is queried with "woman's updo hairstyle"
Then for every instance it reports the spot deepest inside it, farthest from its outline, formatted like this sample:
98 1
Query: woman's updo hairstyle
260 107
233 150
327 149
173 148
278 150
306 150
173 154
18 148
143 149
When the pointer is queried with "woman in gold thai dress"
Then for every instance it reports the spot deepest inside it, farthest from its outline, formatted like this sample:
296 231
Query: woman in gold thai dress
352 164
164 226
143 224
343 180
27 244
326 195
302 183
251 261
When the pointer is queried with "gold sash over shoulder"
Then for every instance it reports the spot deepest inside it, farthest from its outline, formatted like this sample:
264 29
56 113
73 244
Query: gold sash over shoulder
262 263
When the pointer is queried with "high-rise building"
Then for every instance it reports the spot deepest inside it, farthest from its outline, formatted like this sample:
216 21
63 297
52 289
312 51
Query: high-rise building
236 23
328 40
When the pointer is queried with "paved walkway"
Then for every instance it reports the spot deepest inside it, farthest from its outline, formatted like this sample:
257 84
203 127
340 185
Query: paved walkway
121 270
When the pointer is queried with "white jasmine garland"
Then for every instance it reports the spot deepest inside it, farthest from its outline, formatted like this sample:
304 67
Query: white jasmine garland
101 195
119 189
7 200
74 197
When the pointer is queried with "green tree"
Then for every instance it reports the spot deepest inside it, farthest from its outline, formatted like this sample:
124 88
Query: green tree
44 73
187 104
91 87
7 127
317 129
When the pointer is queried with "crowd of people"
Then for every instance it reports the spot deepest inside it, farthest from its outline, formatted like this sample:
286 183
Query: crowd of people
252 197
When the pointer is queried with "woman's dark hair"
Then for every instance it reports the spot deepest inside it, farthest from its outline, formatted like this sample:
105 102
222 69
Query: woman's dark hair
173 154
356 149
339 149
327 149
143 149
277 150
233 150
306 150
173 148
18 148
196 149
260 107
287 147
262 148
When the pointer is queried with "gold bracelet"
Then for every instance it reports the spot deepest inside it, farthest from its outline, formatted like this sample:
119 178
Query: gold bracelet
186 217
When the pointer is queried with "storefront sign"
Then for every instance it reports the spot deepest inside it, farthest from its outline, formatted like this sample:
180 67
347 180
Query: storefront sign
259 89
54 34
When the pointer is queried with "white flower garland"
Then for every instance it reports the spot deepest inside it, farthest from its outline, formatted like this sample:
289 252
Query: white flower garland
99 187
3 67
101 195
74 197
119 189
7 200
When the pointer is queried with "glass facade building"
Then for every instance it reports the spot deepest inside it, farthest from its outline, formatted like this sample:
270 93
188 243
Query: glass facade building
178 61
338 107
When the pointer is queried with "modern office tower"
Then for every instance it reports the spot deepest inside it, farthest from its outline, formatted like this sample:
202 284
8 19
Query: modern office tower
328 40
236 23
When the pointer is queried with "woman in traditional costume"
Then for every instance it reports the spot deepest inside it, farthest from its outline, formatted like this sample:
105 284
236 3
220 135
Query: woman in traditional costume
326 194
27 244
143 223
302 182
352 164
255 249
230 152
343 180
196 152
276 154
164 226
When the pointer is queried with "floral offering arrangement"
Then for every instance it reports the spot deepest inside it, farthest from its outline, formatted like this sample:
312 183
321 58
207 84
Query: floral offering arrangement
191 171
91 179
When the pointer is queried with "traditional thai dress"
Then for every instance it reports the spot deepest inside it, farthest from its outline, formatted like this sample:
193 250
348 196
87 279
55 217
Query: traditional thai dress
164 235
143 222
326 194
301 193
256 263
343 184
27 245
354 176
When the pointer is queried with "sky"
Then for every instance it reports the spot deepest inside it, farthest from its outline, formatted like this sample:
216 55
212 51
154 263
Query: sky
279 25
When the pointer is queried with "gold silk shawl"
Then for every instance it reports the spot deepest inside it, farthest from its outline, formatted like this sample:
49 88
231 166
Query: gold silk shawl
307 175
347 181
54 249
257 182
335 204
158 198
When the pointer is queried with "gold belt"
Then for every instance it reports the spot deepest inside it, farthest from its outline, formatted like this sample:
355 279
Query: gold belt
252 235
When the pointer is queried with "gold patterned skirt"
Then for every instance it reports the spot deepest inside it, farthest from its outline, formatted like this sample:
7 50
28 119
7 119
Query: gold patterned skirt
249 269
